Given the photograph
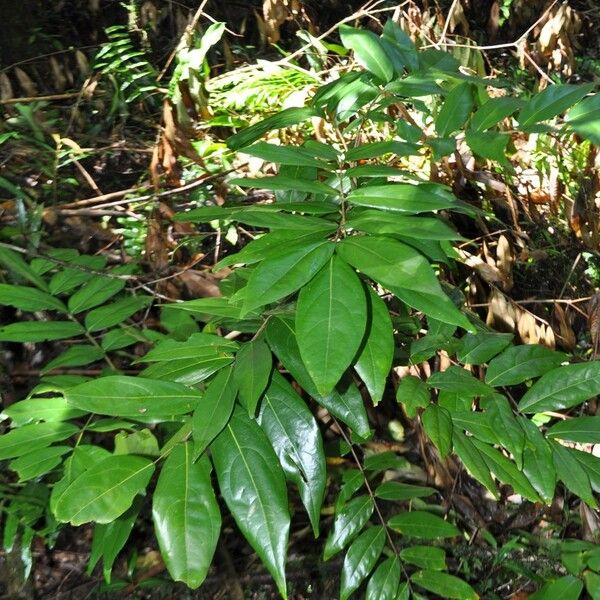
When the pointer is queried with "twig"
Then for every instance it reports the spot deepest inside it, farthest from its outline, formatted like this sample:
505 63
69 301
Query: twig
27 99
571 271
442 39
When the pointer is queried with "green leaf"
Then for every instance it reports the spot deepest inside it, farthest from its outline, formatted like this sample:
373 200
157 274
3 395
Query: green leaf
368 51
142 442
493 111
405 272
377 150
110 538
75 356
15 263
252 370
96 292
28 438
38 462
477 423
572 473
457 379
376 353
29 299
253 486
123 396
279 277
331 317
117 339
444 585
554 100
507 429
384 583
538 465
584 118
563 387
425 557
396 491
296 439
473 461
404 197
348 523
284 118
437 424
214 409
347 404
205 308
39 331
281 182
360 559
186 516
455 110
71 277
488 144
105 491
412 393
284 155
506 471
40 409
565 588
422 524
578 429
115 313
520 363
479 348
591 465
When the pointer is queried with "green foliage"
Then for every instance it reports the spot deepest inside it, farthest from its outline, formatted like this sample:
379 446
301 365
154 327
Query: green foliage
344 270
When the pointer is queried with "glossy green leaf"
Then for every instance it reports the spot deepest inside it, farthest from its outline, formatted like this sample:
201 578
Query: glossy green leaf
520 363
572 472
473 461
345 403
368 51
331 317
119 338
274 279
38 462
425 557
444 585
123 396
252 370
39 331
75 356
422 524
115 313
403 197
591 464
186 516
214 409
405 272
457 379
493 111
538 465
360 559
21 441
506 471
105 491
384 461
477 423
377 150
376 353
437 424
412 393
352 481
396 491
284 118
565 588
506 427
563 387
252 484
205 308
141 442
284 183
584 118
488 144
578 429
479 348
296 439
40 409
348 523
455 110
551 102
96 292
69 278
29 299
283 155
14 262
384 583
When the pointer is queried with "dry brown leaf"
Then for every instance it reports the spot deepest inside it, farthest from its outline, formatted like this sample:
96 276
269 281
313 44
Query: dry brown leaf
6 89
566 336
590 523
527 328
594 324
26 82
